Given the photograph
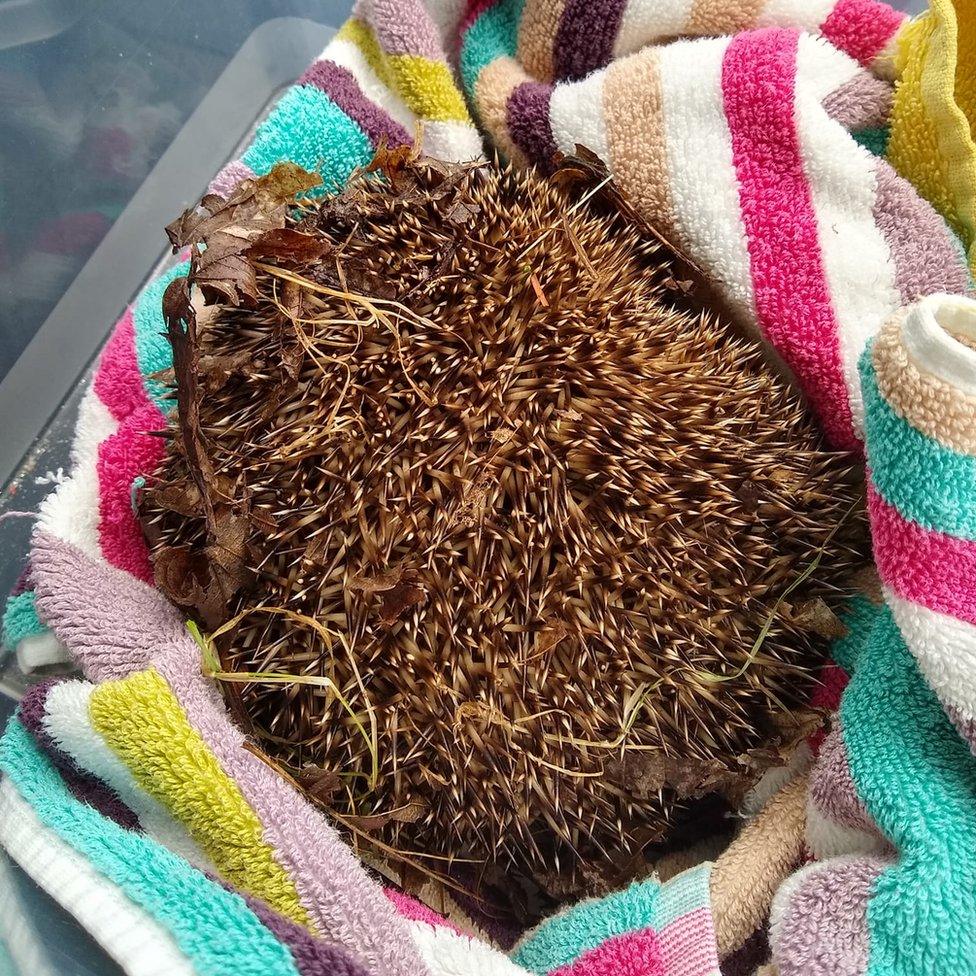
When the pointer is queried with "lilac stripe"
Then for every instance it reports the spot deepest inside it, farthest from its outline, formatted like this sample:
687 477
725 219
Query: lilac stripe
402 27
527 119
927 258
863 102
585 38
824 928
341 86
83 786
92 605
832 788
228 179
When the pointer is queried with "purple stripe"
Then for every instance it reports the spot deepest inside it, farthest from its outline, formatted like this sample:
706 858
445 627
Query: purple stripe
313 957
527 120
23 583
927 257
83 785
341 86
585 38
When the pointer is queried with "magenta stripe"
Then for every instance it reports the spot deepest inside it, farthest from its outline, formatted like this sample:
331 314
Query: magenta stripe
118 382
792 299
416 911
920 565
341 86
473 10
122 457
527 120
585 38
862 28
637 953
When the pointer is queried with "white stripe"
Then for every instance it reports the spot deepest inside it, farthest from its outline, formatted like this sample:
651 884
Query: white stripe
20 935
828 838
129 934
704 188
646 21
454 142
41 650
71 511
576 116
927 331
841 175
349 56
808 14
449 954
945 649
67 720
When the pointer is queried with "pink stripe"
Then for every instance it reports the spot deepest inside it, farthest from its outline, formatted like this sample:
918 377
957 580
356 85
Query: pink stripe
123 457
862 28
688 945
792 298
920 565
630 954
118 381
416 911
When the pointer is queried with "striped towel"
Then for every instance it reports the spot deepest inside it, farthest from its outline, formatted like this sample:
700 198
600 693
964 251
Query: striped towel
756 140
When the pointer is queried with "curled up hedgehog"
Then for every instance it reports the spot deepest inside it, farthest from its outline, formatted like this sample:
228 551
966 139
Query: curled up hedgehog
522 551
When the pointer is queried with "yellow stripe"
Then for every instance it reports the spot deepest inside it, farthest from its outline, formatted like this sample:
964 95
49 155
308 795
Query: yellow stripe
931 140
426 87
144 725
359 33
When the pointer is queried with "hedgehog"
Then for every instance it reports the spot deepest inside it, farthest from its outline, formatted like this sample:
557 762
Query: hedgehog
516 545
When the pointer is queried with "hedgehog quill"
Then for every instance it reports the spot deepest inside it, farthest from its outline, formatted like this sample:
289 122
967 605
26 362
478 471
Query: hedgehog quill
566 542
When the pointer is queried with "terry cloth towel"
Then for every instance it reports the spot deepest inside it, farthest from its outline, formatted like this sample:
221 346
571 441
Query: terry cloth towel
748 141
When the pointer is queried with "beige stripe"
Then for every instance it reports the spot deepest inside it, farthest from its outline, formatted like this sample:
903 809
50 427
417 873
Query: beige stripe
491 91
745 878
634 115
927 402
537 36
715 18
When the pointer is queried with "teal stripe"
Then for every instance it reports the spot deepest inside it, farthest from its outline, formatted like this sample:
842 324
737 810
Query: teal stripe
493 35
859 618
875 141
20 619
213 927
928 483
568 935
306 127
683 894
917 779
153 351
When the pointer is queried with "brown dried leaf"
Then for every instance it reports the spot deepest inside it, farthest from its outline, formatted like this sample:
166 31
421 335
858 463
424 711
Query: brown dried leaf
815 617
400 599
282 245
